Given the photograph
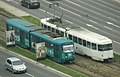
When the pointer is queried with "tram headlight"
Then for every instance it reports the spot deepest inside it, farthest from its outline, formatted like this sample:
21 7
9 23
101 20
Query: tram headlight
65 56
102 55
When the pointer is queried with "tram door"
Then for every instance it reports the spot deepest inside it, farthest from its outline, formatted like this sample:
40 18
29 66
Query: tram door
56 52
22 38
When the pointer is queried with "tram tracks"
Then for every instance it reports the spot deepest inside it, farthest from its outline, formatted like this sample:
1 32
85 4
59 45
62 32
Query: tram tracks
92 68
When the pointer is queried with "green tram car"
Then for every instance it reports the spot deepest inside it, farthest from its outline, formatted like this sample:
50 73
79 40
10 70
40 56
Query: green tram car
27 35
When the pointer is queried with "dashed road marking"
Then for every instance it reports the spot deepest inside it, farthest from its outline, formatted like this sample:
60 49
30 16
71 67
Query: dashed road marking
92 26
108 27
110 23
29 74
93 21
116 42
15 1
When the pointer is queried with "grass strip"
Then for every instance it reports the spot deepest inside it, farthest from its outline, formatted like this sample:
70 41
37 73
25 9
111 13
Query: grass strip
30 19
62 68
117 57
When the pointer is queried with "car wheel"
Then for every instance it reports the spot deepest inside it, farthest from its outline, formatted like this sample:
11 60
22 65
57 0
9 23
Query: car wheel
28 6
6 67
13 71
25 70
21 4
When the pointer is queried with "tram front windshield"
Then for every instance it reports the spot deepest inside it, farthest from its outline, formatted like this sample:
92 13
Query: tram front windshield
105 47
68 48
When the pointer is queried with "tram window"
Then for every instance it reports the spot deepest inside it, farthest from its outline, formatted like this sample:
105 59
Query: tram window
94 46
109 46
105 47
42 25
10 28
53 30
17 31
84 43
37 40
22 35
33 38
80 41
49 28
75 39
57 31
27 36
45 26
88 44
48 45
62 33
70 37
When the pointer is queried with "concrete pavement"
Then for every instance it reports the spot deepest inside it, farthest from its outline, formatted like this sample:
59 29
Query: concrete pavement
13 10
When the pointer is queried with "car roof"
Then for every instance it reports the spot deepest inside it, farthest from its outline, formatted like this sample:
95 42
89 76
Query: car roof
13 59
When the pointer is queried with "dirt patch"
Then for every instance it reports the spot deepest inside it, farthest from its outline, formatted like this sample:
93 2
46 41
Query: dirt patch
93 68
2 27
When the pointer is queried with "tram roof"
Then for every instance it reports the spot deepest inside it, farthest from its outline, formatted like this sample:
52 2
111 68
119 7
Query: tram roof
47 33
77 31
90 36
59 23
49 36
18 23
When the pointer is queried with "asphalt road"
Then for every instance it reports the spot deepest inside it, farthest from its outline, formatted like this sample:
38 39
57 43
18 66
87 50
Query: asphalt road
100 16
34 69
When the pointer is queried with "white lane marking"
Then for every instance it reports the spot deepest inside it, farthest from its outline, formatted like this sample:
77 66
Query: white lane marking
89 25
45 11
82 7
95 28
29 74
8 0
93 21
108 28
112 24
106 7
69 21
15 1
67 10
116 42
92 26
71 12
113 19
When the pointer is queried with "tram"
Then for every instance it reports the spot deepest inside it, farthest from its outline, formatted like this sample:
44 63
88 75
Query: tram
27 35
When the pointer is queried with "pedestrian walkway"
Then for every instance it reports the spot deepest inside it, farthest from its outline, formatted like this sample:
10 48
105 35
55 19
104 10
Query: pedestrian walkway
13 10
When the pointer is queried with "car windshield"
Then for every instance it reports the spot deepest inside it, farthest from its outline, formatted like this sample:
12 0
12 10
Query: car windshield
19 62
34 1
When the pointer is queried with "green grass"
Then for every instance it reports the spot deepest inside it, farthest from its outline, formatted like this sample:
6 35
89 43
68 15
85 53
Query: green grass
117 57
23 52
46 62
63 68
32 20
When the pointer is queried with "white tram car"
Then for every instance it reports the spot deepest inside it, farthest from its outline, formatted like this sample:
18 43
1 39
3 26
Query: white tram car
88 43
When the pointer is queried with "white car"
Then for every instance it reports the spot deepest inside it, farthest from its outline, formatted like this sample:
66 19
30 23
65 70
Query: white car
15 65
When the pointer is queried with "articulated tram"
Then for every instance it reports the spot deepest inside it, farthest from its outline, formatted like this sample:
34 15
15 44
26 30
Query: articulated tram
86 42
27 35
